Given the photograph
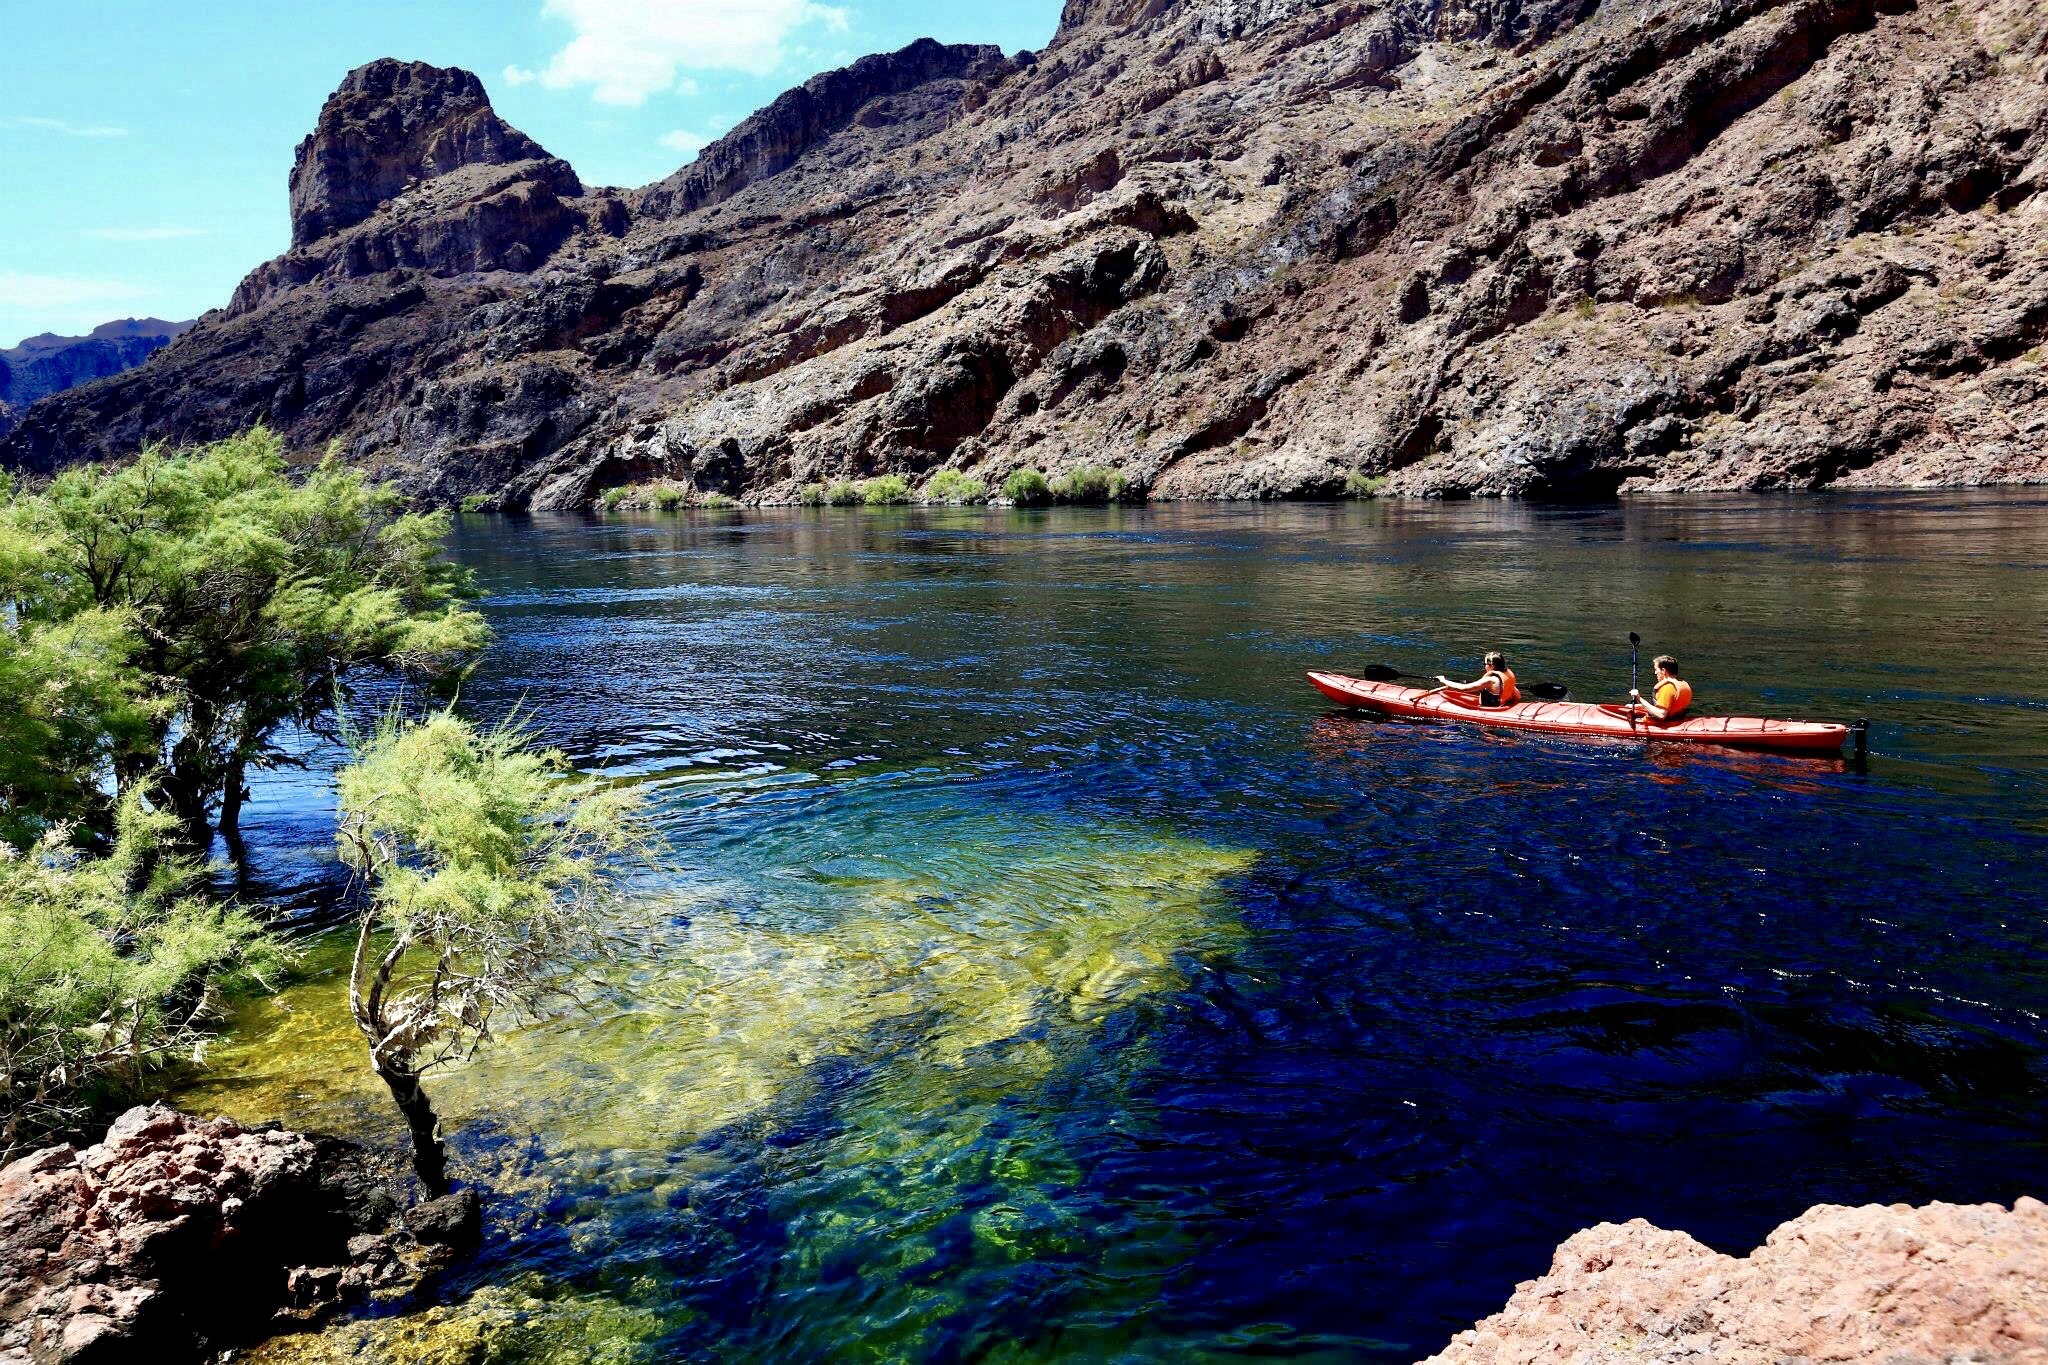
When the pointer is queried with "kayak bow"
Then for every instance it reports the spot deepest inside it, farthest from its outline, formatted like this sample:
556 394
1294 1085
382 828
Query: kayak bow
1582 718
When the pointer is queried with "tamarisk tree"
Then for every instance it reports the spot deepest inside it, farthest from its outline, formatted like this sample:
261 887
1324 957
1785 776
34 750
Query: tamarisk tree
490 866
237 597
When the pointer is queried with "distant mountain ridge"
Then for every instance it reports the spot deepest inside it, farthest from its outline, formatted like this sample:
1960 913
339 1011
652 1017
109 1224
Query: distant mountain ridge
47 363
1234 248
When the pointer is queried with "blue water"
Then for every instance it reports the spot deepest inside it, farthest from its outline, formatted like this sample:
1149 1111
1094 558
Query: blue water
1104 994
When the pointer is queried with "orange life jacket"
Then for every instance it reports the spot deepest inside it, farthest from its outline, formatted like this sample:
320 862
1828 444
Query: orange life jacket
1673 696
1509 693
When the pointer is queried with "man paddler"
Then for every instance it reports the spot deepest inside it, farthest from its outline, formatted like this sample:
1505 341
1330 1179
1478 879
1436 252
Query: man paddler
1671 696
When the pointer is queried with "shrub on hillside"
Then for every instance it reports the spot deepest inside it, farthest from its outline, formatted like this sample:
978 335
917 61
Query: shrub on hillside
1027 487
1090 483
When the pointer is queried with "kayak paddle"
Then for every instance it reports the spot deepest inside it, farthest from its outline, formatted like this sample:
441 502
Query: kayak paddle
1543 691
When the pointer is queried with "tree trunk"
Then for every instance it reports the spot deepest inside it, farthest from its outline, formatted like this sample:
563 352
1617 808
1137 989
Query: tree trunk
184 789
231 799
429 1158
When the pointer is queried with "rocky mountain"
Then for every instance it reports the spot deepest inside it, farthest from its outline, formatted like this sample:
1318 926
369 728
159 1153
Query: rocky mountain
1238 248
47 363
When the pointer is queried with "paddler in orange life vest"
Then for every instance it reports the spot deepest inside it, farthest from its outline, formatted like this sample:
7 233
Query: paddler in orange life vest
1496 686
1672 695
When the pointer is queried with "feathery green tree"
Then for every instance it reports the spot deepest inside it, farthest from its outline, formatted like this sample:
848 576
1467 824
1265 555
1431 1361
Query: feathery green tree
250 599
488 868
107 965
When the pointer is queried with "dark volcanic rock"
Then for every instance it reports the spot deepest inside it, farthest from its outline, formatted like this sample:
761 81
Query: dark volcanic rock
47 364
1237 248
389 126
175 1237
799 119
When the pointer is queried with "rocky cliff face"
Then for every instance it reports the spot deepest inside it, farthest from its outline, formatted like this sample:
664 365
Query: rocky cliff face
47 364
1238 248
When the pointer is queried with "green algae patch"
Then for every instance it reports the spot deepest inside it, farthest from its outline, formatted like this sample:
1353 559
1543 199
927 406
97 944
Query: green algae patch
498 1325
848 1065
716 1012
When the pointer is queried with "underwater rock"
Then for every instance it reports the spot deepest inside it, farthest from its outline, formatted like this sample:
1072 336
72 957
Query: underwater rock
1863 1285
177 1236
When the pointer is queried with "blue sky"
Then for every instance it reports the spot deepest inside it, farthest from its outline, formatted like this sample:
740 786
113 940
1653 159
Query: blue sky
144 144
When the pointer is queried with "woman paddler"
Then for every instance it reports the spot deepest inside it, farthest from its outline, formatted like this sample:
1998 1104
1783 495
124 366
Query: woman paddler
1495 687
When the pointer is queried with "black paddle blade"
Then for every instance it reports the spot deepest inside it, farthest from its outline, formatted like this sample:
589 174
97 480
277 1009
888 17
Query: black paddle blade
1548 691
1379 673
1634 638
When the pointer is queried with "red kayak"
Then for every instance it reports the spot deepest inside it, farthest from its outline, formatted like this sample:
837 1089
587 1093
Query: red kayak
1580 718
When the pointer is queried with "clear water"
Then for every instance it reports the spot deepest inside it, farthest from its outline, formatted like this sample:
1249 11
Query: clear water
1045 972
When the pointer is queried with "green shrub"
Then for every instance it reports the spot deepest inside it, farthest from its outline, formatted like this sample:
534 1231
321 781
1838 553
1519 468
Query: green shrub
667 497
884 490
1027 488
811 495
843 493
251 595
1090 483
107 966
613 498
477 502
953 487
1363 485
716 500
1585 307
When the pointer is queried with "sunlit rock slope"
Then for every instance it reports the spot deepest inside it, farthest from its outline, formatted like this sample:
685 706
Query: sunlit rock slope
1240 248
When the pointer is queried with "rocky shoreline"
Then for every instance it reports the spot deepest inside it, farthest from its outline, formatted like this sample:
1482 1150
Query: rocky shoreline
179 1239
175 1238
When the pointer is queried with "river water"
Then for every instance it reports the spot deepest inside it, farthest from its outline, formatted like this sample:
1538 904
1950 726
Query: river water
1042 971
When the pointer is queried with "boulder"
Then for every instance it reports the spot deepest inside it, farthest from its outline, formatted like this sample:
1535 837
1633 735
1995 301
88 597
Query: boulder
176 1237
1848 1286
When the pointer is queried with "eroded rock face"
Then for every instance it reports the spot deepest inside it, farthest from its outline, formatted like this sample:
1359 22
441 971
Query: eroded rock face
390 125
1237 248
47 364
1862 1286
177 1236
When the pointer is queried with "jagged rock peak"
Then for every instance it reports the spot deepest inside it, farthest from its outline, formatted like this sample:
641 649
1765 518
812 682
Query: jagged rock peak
771 140
1111 14
388 125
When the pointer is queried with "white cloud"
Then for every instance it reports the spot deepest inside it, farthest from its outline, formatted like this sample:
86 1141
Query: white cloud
684 141
519 75
628 50
68 128
144 234
19 290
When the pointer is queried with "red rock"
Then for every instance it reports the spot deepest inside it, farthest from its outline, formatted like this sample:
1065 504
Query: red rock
175 1236
1848 1286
